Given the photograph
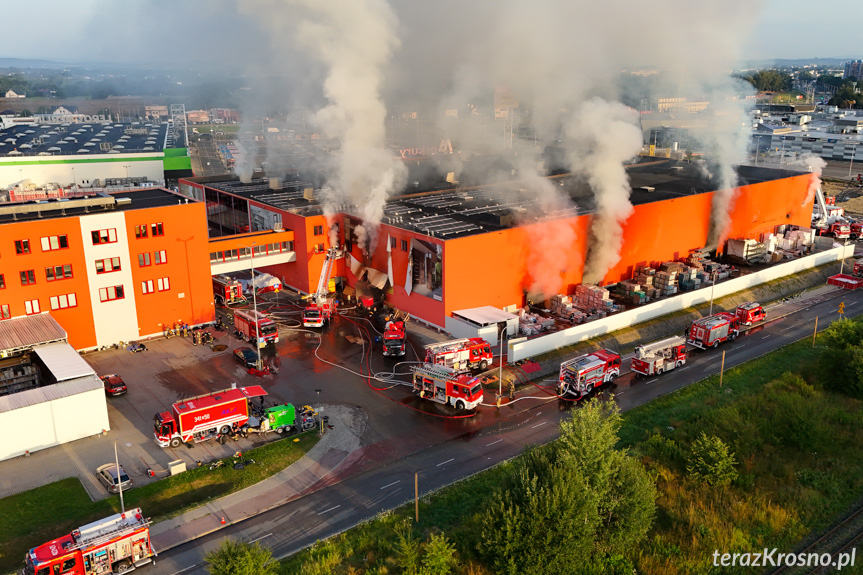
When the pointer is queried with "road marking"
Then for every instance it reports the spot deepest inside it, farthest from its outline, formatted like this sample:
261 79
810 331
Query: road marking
444 462
186 569
853 303
328 510
765 337
620 393
684 367
493 442
261 537
790 327
539 424
390 484
651 381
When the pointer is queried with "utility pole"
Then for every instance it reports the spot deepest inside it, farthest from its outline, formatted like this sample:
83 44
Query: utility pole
255 308
119 478
815 331
417 496
722 368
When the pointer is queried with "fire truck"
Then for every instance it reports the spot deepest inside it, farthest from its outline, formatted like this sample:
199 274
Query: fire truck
322 305
580 375
462 355
829 221
856 230
858 268
255 327
205 417
227 291
712 330
750 312
443 384
659 356
394 339
116 544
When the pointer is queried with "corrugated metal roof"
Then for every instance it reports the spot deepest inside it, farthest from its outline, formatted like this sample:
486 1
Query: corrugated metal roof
21 333
63 361
49 393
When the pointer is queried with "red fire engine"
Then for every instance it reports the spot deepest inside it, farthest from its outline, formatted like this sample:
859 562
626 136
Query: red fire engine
750 312
227 291
205 417
580 375
712 330
856 230
858 268
116 544
254 327
442 384
320 312
462 355
394 339
659 356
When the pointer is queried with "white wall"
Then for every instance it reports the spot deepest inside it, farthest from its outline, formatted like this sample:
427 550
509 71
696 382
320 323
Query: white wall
53 422
459 329
522 347
46 170
115 320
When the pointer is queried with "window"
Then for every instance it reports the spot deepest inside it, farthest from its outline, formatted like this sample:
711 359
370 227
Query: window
164 284
107 265
104 236
157 229
51 243
144 259
160 256
111 293
141 231
404 245
147 286
58 272
319 249
64 301
319 230
68 565
22 246
4 311
393 242
28 277
2 282
31 306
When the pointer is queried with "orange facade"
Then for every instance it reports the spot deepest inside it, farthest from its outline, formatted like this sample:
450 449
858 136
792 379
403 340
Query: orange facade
107 281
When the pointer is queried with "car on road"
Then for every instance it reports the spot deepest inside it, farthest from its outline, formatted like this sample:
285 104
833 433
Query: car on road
114 384
109 477
246 356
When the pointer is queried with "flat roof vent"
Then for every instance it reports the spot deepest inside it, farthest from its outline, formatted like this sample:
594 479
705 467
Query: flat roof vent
124 201
647 188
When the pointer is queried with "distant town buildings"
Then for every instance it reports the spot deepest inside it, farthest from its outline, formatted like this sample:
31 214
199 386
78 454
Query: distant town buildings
13 94
852 69
679 105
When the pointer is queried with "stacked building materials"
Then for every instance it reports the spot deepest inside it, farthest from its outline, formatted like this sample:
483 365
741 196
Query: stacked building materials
589 297
562 306
644 276
746 252
532 324
631 292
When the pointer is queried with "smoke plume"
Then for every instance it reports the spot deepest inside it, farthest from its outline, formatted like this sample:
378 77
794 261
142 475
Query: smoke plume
354 39
603 136
814 164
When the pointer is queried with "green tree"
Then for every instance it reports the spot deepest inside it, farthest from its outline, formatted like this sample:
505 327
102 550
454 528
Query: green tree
711 460
439 557
406 548
843 357
239 558
574 502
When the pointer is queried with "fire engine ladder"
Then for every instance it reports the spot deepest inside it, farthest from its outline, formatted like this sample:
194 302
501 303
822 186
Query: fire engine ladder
445 346
652 348
107 536
322 290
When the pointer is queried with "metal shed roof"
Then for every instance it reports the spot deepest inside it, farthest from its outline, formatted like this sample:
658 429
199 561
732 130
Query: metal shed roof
484 315
63 361
22 333
49 392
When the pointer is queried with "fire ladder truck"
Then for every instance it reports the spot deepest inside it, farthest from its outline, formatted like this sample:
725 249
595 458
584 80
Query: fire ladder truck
116 544
659 356
442 384
322 305
829 221
581 375
462 355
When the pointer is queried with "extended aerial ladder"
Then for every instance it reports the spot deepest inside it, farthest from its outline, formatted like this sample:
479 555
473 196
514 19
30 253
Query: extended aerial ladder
326 269
322 306
651 349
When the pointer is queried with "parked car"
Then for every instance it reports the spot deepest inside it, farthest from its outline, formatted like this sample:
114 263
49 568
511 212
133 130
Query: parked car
108 476
114 384
246 356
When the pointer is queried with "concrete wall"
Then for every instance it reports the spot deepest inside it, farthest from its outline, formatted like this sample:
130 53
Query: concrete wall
522 348
460 329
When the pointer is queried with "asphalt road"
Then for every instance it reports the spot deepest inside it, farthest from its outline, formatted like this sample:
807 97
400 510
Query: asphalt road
363 495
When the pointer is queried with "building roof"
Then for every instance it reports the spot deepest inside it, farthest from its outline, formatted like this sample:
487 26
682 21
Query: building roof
96 203
96 138
459 212
60 390
484 315
22 333
63 361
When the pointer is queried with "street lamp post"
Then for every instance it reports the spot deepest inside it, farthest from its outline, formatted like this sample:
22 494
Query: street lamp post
127 171
712 285
853 151
500 369
255 308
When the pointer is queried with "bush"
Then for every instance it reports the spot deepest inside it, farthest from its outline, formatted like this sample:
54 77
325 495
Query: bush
239 558
712 461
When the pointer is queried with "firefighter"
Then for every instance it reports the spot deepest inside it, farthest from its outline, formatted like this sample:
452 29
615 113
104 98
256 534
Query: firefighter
512 389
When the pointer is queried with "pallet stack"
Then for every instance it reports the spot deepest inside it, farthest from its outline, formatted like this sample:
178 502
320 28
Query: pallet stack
562 306
632 293
644 276
590 297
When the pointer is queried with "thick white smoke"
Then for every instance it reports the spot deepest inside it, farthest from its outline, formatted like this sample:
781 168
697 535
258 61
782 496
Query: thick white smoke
815 165
603 136
355 40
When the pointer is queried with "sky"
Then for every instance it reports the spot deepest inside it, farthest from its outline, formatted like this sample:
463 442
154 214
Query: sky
208 32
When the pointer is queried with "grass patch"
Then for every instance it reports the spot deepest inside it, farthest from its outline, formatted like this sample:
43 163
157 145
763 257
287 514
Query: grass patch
34 517
799 449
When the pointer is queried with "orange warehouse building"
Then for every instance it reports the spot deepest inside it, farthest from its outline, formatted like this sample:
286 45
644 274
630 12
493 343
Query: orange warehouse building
108 268
459 249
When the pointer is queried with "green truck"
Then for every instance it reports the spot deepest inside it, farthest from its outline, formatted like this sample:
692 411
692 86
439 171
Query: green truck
281 419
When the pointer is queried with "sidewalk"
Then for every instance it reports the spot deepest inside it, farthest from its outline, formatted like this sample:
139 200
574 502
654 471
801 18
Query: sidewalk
313 471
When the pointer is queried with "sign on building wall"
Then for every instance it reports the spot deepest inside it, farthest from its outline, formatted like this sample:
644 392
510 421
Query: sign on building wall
70 118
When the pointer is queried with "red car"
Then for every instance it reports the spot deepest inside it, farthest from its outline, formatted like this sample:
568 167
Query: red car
114 384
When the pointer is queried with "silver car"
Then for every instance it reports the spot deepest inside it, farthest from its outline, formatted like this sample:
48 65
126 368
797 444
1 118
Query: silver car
108 476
